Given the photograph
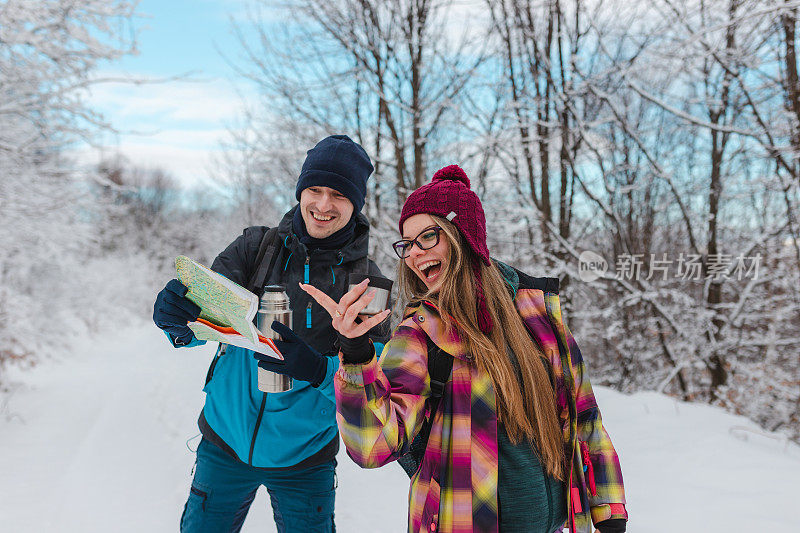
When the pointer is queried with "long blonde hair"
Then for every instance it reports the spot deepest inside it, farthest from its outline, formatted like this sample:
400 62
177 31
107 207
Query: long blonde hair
527 409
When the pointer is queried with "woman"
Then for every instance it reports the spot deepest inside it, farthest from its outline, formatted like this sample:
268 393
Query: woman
517 444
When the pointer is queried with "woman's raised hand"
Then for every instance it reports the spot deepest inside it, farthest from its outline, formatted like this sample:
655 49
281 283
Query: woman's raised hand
344 313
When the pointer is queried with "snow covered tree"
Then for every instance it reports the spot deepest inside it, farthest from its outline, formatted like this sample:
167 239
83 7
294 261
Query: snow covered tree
661 135
49 52
656 129
387 72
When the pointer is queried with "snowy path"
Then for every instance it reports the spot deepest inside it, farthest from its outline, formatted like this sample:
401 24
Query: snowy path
96 443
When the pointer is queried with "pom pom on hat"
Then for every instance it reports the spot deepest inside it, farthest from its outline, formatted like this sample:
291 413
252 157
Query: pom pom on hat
452 172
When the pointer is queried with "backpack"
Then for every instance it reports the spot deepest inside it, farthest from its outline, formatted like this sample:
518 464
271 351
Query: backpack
440 365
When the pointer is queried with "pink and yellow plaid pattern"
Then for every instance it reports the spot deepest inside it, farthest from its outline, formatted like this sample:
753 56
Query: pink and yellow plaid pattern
381 407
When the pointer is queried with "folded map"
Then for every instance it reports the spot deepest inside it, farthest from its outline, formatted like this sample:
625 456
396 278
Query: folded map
226 308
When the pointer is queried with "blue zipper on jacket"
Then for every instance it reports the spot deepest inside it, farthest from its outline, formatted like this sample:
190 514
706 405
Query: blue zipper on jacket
306 281
333 274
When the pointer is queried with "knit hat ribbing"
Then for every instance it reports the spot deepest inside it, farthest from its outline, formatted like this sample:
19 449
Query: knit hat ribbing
339 163
448 195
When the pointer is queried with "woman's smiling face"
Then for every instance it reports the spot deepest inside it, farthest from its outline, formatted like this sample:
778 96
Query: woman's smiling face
428 265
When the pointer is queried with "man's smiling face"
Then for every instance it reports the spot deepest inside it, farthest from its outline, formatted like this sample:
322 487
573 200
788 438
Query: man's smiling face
325 211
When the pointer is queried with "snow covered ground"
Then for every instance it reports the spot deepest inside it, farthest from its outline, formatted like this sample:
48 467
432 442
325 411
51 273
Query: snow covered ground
96 442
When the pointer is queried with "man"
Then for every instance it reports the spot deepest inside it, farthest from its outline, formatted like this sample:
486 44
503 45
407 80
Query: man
287 441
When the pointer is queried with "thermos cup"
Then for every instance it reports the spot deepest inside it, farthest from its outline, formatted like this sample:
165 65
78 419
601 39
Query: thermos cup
382 287
274 306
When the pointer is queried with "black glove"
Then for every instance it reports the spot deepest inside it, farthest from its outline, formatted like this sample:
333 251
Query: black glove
612 525
356 351
173 311
300 361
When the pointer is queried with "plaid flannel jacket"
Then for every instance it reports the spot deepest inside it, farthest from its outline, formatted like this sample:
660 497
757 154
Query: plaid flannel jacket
381 407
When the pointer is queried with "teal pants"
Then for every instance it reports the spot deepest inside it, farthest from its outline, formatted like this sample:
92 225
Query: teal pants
223 489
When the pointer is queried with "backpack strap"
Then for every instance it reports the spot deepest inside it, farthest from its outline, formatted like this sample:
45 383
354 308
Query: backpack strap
360 266
268 248
440 366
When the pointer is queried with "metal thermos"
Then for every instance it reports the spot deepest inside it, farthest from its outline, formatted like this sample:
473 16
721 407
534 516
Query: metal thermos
274 306
382 287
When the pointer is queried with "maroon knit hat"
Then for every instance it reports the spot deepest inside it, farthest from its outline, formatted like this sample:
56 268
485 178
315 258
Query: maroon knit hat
448 195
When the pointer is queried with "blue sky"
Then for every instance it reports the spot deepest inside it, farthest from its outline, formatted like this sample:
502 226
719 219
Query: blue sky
175 125
177 35
179 125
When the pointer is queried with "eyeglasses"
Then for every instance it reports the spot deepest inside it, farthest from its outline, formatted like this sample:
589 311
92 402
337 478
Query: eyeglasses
427 239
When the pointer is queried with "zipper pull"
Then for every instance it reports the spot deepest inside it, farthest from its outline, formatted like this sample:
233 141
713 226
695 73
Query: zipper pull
308 316
306 270
588 469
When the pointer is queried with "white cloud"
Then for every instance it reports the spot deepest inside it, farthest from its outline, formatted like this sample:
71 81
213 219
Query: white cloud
190 166
204 102
176 125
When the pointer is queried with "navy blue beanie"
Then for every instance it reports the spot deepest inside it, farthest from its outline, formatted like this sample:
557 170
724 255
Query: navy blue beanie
339 163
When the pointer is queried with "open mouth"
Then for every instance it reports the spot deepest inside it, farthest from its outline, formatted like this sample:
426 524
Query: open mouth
322 218
430 269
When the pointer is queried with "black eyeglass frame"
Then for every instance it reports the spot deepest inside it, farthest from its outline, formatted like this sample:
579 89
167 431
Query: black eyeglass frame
409 243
